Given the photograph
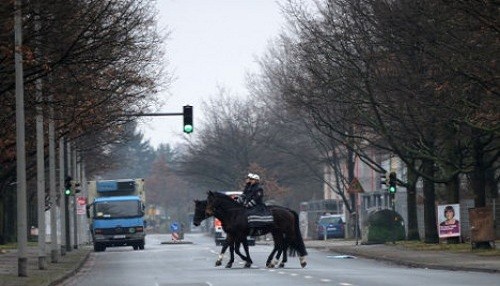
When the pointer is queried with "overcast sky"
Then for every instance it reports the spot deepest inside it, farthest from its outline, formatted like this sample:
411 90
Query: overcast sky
212 43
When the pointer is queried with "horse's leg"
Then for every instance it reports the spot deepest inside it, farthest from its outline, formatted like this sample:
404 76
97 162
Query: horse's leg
285 253
221 254
248 260
270 263
284 247
231 252
237 250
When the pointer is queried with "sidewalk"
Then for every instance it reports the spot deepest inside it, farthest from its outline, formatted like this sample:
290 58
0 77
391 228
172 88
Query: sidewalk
66 266
398 254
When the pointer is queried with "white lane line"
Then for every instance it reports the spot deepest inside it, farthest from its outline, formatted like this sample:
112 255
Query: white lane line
308 277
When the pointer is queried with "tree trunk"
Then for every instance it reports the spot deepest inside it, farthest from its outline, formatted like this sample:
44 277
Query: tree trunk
453 197
431 234
478 176
411 200
478 182
352 197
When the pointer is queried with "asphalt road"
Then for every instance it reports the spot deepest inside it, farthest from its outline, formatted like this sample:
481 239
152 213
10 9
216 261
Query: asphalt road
193 264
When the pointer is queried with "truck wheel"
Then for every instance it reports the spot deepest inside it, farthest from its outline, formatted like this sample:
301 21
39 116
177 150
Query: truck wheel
98 247
135 247
141 246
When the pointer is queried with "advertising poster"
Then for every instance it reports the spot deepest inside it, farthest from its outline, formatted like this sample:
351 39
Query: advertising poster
448 220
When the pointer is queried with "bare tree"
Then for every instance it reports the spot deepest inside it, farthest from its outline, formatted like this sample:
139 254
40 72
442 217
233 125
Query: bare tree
384 74
239 137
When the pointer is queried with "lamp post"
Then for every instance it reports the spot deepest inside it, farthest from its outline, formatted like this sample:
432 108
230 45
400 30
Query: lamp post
22 232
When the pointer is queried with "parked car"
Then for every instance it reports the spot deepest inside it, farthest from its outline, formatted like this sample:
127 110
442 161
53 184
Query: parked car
330 226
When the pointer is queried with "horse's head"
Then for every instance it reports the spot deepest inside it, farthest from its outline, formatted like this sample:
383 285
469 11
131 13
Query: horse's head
217 202
199 212
211 204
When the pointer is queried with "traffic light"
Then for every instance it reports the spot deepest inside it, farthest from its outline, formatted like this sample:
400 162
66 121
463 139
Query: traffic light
74 185
384 180
188 118
70 186
393 180
67 186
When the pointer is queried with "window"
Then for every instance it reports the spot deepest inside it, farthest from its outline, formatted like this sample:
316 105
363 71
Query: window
117 209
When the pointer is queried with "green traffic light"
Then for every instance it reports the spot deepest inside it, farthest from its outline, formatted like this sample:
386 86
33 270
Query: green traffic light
188 128
392 189
67 192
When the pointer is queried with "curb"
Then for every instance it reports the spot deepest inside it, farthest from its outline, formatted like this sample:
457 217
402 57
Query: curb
177 242
72 272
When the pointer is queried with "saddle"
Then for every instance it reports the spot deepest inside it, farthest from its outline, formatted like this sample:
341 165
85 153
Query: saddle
259 217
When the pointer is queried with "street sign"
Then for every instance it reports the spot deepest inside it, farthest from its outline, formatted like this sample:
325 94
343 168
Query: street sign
81 202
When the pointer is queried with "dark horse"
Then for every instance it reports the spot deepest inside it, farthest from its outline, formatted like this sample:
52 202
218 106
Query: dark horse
285 229
200 215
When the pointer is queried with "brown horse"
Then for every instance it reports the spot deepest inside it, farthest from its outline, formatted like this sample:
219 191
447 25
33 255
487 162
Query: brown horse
285 229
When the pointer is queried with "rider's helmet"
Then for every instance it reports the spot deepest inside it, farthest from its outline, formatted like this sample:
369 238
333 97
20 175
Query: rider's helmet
255 177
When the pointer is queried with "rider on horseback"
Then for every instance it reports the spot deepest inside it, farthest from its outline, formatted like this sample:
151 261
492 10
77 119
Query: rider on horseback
253 192
259 216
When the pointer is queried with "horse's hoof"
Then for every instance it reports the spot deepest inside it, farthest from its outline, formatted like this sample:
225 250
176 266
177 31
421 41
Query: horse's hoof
229 265
248 264
282 265
270 265
218 263
303 262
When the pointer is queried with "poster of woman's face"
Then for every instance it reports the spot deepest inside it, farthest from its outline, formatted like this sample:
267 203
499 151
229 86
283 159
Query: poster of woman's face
448 220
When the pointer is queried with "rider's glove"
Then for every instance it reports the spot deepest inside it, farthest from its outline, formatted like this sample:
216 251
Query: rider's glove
241 199
251 204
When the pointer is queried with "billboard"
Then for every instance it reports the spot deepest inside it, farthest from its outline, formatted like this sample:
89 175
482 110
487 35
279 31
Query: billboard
448 220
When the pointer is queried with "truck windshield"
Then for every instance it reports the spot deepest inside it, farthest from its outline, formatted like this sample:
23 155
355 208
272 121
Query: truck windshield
117 209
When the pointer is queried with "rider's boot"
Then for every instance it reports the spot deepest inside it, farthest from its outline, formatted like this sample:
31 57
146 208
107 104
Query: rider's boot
251 231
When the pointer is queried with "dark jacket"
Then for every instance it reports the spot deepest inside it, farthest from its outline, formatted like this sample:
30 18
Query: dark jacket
254 195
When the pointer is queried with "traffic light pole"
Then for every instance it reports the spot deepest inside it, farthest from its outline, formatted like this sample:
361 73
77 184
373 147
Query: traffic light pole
393 217
67 227
187 113
157 114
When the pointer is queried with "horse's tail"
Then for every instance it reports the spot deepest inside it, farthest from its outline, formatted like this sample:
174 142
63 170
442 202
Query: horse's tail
296 243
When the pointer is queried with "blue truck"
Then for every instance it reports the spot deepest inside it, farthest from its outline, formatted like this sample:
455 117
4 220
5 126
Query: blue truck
116 213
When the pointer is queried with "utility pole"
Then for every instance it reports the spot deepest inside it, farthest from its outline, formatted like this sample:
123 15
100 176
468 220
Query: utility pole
62 199
54 253
40 157
22 232
73 198
66 199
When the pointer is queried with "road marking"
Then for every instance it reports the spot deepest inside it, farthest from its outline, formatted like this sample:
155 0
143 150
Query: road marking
308 277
